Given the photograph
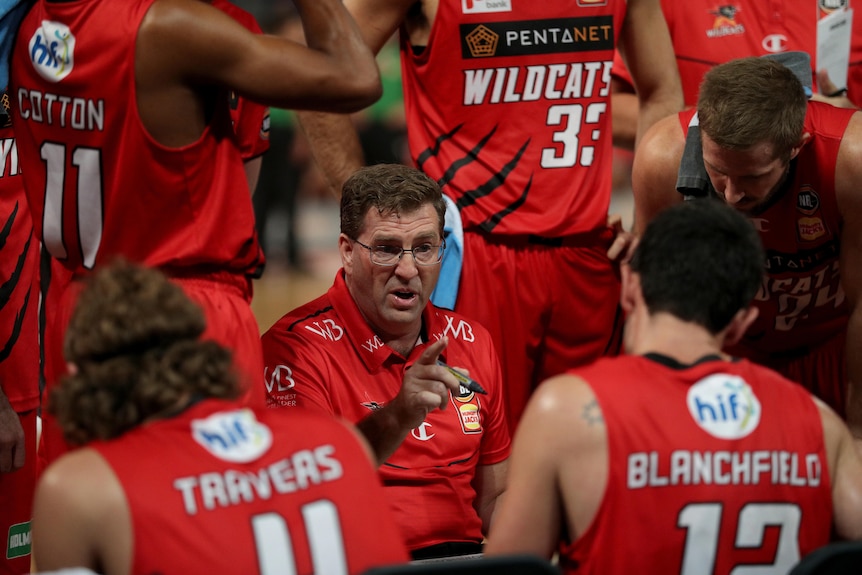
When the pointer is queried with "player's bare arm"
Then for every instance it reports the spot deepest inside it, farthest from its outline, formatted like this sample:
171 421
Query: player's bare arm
558 467
490 483
848 172
12 449
186 46
80 516
332 137
647 49
845 471
654 172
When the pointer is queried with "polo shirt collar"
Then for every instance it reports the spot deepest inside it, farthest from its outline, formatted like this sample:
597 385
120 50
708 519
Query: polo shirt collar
368 345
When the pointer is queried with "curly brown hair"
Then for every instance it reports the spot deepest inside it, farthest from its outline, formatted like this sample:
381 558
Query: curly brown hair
134 339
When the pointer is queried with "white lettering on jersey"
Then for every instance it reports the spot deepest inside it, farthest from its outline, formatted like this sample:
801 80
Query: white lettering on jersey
9 157
63 111
299 471
531 83
685 467
798 297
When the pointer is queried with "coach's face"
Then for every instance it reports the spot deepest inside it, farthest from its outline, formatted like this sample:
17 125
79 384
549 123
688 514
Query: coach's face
392 297
746 179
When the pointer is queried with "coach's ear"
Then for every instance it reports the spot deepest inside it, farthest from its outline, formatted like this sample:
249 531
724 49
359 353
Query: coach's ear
347 251
740 324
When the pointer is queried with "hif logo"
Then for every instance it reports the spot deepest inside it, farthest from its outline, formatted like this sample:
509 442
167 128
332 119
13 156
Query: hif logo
52 50
235 436
724 406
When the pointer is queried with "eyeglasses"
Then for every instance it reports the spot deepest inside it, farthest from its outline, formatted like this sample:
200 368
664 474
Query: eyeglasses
423 255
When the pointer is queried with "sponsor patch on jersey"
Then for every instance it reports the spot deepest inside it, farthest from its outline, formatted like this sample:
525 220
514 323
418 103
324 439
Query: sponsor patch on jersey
592 3
52 50
469 410
464 394
828 6
264 127
725 23
724 406
811 228
485 6
525 38
235 436
18 540
807 201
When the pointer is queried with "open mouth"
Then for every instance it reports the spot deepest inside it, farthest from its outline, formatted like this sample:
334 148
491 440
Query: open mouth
403 299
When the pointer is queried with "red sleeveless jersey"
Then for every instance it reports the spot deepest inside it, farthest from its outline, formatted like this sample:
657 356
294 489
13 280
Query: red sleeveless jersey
19 294
706 33
507 107
98 184
250 120
242 491
705 474
801 300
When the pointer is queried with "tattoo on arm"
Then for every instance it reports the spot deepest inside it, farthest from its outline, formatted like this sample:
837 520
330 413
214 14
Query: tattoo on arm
592 413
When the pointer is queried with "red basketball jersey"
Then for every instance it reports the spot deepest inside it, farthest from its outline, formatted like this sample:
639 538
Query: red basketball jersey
99 185
250 491
507 107
705 474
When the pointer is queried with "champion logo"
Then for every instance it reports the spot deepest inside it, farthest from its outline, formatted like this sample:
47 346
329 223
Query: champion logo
52 50
421 432
775 43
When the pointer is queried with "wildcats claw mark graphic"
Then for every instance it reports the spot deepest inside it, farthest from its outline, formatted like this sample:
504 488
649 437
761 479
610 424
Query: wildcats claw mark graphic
496 180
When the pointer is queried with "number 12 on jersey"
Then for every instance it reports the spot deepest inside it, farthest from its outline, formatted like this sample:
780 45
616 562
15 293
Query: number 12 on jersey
702 522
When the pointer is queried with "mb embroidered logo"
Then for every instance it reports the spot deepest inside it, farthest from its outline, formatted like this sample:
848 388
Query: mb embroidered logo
52 50
281 378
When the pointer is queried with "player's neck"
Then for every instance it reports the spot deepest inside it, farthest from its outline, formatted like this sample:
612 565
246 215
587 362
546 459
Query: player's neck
667 335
